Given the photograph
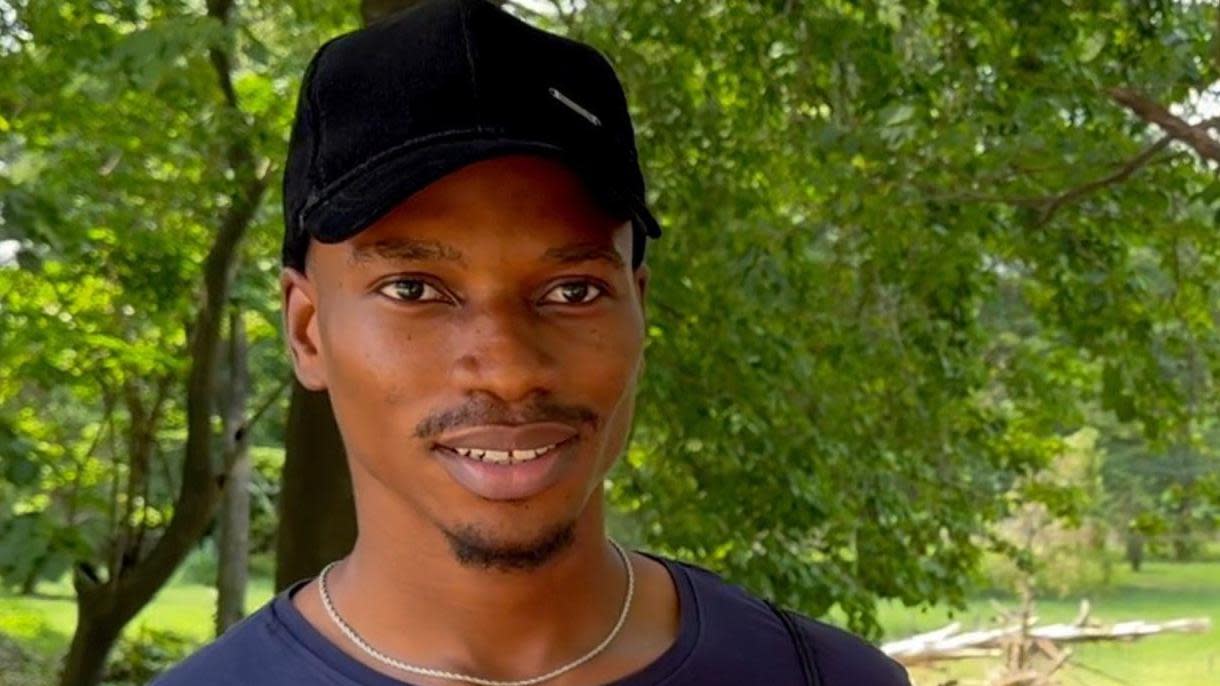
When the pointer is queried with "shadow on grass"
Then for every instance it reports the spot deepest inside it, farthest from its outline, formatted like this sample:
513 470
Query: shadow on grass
21 664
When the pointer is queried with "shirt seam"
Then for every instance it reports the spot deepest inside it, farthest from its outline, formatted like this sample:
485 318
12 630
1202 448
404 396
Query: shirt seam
284 635
698 632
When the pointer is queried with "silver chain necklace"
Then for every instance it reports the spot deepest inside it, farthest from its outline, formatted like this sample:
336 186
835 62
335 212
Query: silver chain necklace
381 657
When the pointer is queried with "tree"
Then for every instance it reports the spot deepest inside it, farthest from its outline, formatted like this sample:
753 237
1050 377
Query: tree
131 187
233 540
906 249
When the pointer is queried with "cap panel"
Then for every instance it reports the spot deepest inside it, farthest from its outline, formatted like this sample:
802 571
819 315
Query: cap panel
373 93
545 86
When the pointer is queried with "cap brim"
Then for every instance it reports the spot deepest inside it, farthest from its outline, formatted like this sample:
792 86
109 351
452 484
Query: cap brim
359 199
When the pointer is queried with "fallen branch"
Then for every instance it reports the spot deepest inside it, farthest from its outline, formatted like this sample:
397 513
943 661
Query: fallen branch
949 643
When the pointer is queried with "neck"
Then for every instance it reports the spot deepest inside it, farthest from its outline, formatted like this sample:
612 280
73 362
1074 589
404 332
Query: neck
405 592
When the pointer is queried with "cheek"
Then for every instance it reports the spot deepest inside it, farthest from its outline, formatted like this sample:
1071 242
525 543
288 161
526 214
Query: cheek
380 371
604 364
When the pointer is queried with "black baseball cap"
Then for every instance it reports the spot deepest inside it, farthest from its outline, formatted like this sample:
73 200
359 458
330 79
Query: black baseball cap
388 109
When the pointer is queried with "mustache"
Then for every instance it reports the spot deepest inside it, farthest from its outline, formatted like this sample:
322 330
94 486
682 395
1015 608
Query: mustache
482 410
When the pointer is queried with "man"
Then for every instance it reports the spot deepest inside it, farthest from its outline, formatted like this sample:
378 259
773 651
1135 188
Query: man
464 275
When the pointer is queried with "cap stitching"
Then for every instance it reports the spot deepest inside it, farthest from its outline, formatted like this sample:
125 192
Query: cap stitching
319 113
474 78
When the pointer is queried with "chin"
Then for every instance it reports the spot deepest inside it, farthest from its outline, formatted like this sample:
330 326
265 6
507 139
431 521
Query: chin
509 548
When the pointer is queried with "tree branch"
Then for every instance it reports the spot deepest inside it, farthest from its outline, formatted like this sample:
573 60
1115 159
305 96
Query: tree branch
1055 203
199 492
1153 112
1124 172
264 406
222 10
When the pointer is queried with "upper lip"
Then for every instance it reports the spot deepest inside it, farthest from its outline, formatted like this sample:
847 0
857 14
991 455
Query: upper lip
508 437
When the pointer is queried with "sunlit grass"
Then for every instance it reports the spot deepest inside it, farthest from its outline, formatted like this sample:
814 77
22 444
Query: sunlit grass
1162 590
45 622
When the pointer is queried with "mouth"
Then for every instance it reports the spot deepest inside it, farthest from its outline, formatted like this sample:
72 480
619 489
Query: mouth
503 456
508 462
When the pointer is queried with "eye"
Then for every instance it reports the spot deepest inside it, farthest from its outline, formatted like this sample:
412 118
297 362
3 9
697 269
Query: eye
411 290
573 293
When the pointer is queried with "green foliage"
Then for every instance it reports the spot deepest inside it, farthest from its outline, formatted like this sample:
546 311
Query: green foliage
145 654
872 311
35 548
114 122
1167 495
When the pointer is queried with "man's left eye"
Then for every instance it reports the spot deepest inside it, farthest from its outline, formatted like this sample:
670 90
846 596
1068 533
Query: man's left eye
573 293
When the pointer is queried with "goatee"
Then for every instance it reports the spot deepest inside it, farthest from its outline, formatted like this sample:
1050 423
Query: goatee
474 548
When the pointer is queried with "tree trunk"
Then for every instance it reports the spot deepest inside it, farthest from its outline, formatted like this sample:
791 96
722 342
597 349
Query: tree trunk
92 641
30 583
1135 550
316 511
102 610
233 540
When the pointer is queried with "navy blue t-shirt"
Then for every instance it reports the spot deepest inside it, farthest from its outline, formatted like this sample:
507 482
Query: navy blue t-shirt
725 636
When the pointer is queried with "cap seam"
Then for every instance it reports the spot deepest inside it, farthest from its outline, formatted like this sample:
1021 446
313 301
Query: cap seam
463 16
318 113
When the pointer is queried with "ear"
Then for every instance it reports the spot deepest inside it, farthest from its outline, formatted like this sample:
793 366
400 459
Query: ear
299 304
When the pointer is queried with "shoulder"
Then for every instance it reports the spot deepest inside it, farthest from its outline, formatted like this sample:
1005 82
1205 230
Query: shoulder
842 658
252 652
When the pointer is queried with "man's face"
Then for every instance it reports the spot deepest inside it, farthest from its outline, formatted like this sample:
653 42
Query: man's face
481 345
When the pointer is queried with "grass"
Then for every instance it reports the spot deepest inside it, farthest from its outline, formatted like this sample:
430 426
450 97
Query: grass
44 623
1161 591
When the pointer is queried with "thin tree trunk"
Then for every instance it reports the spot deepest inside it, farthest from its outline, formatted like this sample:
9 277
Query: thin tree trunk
233 540
30 583
316 511
1135 550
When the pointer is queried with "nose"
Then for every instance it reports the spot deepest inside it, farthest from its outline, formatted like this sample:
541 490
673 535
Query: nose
502 350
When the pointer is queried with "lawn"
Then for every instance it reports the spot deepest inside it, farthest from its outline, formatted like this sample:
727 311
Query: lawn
45 622
1161 591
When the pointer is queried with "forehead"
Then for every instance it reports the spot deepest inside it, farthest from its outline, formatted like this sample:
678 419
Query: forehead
509 207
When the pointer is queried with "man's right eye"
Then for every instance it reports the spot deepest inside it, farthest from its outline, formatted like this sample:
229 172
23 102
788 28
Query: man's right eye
411 290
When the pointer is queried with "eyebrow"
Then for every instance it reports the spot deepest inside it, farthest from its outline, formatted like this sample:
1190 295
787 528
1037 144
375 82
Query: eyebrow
405 250
573 254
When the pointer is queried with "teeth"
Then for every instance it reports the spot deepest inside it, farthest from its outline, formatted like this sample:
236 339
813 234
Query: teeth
504 456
